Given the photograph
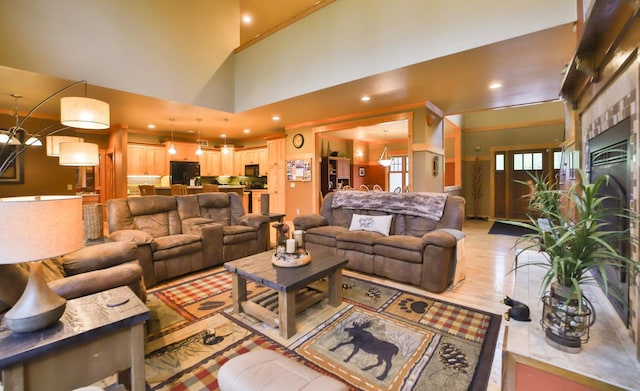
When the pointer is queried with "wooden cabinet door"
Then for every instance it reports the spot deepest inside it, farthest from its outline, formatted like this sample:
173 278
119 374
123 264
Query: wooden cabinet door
156 161
226 162
210 163
239 158
275 152
136 160
276 182
262 161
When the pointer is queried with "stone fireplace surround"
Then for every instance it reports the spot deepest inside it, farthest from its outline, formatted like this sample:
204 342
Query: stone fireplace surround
615 103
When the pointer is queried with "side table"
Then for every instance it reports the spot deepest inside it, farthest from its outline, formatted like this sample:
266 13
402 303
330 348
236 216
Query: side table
94 339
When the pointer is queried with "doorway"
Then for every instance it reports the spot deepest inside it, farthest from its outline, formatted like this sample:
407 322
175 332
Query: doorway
511 172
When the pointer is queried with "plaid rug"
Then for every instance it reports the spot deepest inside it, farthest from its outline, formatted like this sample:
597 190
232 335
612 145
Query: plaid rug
380 338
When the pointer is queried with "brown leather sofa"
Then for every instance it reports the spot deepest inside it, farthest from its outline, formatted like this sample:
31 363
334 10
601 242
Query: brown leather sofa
418 250
176 235
89 270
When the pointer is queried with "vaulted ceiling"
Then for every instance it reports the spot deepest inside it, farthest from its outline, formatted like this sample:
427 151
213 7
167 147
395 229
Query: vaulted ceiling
529 67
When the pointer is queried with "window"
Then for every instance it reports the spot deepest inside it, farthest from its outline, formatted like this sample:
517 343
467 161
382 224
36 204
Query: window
500 162
527 161
399 172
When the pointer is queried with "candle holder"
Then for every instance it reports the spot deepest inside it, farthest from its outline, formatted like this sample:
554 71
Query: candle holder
290 252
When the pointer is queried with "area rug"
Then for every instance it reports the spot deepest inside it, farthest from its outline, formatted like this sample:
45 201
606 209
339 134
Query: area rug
500 228
380 338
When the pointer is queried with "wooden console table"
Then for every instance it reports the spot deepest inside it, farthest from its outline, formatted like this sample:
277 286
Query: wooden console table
607 362
91 341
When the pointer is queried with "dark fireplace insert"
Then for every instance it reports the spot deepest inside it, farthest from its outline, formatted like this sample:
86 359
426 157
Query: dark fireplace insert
609 155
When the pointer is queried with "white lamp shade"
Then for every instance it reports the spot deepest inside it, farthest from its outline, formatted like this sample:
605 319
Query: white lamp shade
79 154
7 138
39 227
85 113
53 143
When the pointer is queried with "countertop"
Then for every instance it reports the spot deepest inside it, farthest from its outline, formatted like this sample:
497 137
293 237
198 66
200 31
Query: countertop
607 359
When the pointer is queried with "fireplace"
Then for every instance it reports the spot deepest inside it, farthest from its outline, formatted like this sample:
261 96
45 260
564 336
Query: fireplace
609 155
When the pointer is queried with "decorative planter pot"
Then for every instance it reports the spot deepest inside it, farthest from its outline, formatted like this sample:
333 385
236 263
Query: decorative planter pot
565 324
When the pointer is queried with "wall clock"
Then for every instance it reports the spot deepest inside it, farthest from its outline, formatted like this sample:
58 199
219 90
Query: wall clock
298 140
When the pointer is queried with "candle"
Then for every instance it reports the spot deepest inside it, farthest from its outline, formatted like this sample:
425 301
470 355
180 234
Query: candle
297 235
291 246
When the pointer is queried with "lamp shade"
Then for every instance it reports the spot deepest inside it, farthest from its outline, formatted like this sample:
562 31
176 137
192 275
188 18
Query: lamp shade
39 227
79 154
85 113
384 160
53 143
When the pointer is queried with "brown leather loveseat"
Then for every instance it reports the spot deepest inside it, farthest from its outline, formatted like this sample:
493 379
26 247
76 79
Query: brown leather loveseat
408 237
89 270
176 235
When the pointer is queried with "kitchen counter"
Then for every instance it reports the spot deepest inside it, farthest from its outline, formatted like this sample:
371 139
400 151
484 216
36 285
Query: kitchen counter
166 190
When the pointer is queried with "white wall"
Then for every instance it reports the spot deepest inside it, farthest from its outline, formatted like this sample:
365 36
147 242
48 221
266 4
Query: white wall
352 39
174 50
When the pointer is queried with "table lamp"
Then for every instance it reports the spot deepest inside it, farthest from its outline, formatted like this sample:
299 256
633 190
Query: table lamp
35 228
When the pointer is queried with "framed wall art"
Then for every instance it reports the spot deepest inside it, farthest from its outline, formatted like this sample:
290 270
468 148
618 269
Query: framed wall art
299 170
362 171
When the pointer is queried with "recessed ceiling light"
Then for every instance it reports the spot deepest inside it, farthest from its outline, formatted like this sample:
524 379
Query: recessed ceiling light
246 19
151 126
275 118
495 85
247 130
365 98
223 135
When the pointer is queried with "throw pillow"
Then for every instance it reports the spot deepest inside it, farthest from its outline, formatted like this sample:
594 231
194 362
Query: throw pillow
380 224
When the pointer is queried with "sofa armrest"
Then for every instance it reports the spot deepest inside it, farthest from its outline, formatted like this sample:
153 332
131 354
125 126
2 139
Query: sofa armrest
438 238
194 225
212 235
132 235
127 274
304 222
99 256
254 220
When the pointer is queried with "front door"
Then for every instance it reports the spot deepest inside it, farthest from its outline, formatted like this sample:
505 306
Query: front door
512 181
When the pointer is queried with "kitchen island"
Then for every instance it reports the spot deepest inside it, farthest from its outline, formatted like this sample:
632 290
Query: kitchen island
166 190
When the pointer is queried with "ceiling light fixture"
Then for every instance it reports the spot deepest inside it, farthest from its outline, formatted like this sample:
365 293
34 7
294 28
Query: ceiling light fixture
151 126
385 159
199 149
365 98
275 118
247 19
172 148
225 150
495 85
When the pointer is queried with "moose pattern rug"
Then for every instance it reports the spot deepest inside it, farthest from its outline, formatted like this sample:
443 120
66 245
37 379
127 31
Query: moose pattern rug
380 338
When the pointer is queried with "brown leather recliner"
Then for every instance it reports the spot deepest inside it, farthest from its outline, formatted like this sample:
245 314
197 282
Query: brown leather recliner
89 270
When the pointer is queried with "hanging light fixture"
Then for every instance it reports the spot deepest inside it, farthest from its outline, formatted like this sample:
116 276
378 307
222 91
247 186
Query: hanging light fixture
385 160
225 150
172 148
79 154
199 149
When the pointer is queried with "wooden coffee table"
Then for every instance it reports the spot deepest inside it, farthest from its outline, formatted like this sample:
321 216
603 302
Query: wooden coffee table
287 281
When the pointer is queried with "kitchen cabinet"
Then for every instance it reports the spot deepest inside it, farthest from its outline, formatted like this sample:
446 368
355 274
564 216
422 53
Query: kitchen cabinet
251 156
210 163
276 175
335 172
226 162
184 151
146 160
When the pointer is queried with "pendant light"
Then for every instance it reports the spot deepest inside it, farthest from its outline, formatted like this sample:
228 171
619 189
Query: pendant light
225 150
199 149
385 160
172 148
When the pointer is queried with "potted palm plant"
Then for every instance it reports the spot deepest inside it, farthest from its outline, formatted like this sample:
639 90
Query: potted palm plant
570 228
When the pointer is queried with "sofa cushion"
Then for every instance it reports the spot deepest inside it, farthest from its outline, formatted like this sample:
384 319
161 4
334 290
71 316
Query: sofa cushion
325 236
361 241
380 224
173 241
403 247
238 234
